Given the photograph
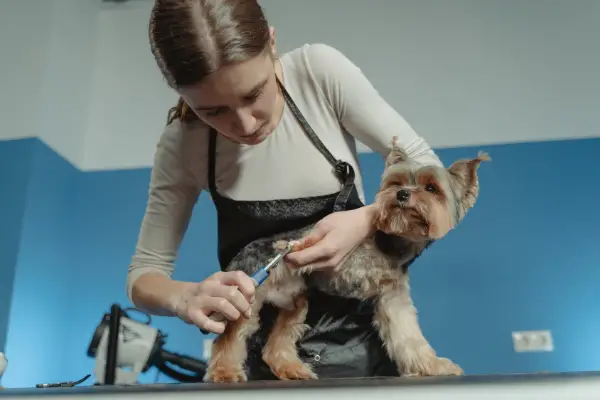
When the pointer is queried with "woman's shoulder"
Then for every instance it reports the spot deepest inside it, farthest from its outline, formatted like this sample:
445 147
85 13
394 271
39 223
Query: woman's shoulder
325 68
320 60
180 137
315 53
183 145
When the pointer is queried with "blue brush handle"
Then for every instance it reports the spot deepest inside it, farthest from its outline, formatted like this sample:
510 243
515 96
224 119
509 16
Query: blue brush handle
259 276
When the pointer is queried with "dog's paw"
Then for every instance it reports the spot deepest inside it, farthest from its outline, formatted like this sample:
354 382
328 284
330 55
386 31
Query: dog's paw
287 365
292 370
225 374
280 245
443 366
432 366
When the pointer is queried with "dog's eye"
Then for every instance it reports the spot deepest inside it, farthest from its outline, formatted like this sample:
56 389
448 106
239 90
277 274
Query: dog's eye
430 187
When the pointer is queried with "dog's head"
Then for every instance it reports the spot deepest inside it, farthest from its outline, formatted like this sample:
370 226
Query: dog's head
423 203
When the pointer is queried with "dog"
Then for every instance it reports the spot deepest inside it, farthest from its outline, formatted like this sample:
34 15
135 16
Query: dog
415 205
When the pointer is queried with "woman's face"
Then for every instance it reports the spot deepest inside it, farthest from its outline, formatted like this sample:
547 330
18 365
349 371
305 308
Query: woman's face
240 101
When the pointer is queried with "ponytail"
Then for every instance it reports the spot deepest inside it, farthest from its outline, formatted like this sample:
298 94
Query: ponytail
181 112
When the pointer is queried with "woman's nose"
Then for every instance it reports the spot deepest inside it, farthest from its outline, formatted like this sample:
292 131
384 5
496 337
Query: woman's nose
246 123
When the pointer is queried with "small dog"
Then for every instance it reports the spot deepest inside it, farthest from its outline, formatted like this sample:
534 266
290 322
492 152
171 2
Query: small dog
415 205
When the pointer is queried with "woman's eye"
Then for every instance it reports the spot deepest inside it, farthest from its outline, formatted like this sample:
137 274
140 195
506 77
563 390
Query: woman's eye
214 113
254 96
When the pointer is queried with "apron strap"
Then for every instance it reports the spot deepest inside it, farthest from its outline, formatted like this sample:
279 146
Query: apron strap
343 170
212 159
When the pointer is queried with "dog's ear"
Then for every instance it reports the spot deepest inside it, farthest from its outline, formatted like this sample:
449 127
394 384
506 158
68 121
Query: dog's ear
463 175
396 155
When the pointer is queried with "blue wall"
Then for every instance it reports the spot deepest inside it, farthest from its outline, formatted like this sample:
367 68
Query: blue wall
523 259
43 186
15 167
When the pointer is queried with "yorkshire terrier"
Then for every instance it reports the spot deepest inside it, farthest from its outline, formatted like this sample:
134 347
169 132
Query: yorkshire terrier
415 205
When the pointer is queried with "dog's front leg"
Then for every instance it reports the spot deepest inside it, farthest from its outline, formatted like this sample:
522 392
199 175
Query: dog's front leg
396 319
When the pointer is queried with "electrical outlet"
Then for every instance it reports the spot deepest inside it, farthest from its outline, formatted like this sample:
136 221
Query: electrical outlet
207 351
532 341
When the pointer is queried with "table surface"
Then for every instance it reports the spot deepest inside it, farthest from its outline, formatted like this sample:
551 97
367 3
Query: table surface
580 385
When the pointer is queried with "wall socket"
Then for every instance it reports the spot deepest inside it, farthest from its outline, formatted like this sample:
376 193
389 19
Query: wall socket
532 341
207 350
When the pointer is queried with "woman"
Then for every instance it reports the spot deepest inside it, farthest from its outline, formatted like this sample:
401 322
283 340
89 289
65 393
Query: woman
272 139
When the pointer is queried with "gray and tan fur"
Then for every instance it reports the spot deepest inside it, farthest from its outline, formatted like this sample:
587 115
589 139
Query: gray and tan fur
415 206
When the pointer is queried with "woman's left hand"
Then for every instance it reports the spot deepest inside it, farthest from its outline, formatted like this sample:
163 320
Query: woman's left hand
332 239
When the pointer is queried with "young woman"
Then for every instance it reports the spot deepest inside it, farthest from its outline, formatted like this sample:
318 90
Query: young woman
272 139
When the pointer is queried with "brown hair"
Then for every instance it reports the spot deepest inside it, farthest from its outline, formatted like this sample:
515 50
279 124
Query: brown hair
191 39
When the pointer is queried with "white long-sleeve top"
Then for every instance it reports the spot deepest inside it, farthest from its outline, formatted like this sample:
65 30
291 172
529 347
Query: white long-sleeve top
337 100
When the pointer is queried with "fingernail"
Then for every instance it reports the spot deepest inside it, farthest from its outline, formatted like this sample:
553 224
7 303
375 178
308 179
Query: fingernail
252 299
249 313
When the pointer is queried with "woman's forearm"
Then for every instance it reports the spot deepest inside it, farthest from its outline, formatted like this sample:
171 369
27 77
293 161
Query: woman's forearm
157 294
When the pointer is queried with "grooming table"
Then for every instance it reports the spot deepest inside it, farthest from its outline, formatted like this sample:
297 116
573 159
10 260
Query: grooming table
562 386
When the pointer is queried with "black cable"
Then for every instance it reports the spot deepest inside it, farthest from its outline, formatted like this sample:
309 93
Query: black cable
62 384
164 368
185 362
195 366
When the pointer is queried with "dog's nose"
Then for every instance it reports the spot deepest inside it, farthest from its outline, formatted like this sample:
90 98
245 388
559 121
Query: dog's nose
403 195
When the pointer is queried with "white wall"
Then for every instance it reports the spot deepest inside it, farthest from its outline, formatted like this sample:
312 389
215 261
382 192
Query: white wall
47 61
129 98
24 27
462 72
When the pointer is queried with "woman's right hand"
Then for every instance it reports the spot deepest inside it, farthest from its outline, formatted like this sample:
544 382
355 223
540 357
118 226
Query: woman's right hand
228 293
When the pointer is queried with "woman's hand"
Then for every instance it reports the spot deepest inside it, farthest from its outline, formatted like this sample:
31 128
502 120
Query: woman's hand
228 293
332 239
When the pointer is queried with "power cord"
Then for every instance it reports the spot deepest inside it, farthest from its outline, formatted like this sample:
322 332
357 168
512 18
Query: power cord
62 384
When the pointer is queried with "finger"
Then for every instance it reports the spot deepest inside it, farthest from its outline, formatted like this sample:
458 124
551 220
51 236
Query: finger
319 252
241 280
307 242
233 297
300 256
221 306
311 239
201 320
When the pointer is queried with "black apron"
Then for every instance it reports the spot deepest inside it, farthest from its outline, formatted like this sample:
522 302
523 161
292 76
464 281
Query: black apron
341 341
